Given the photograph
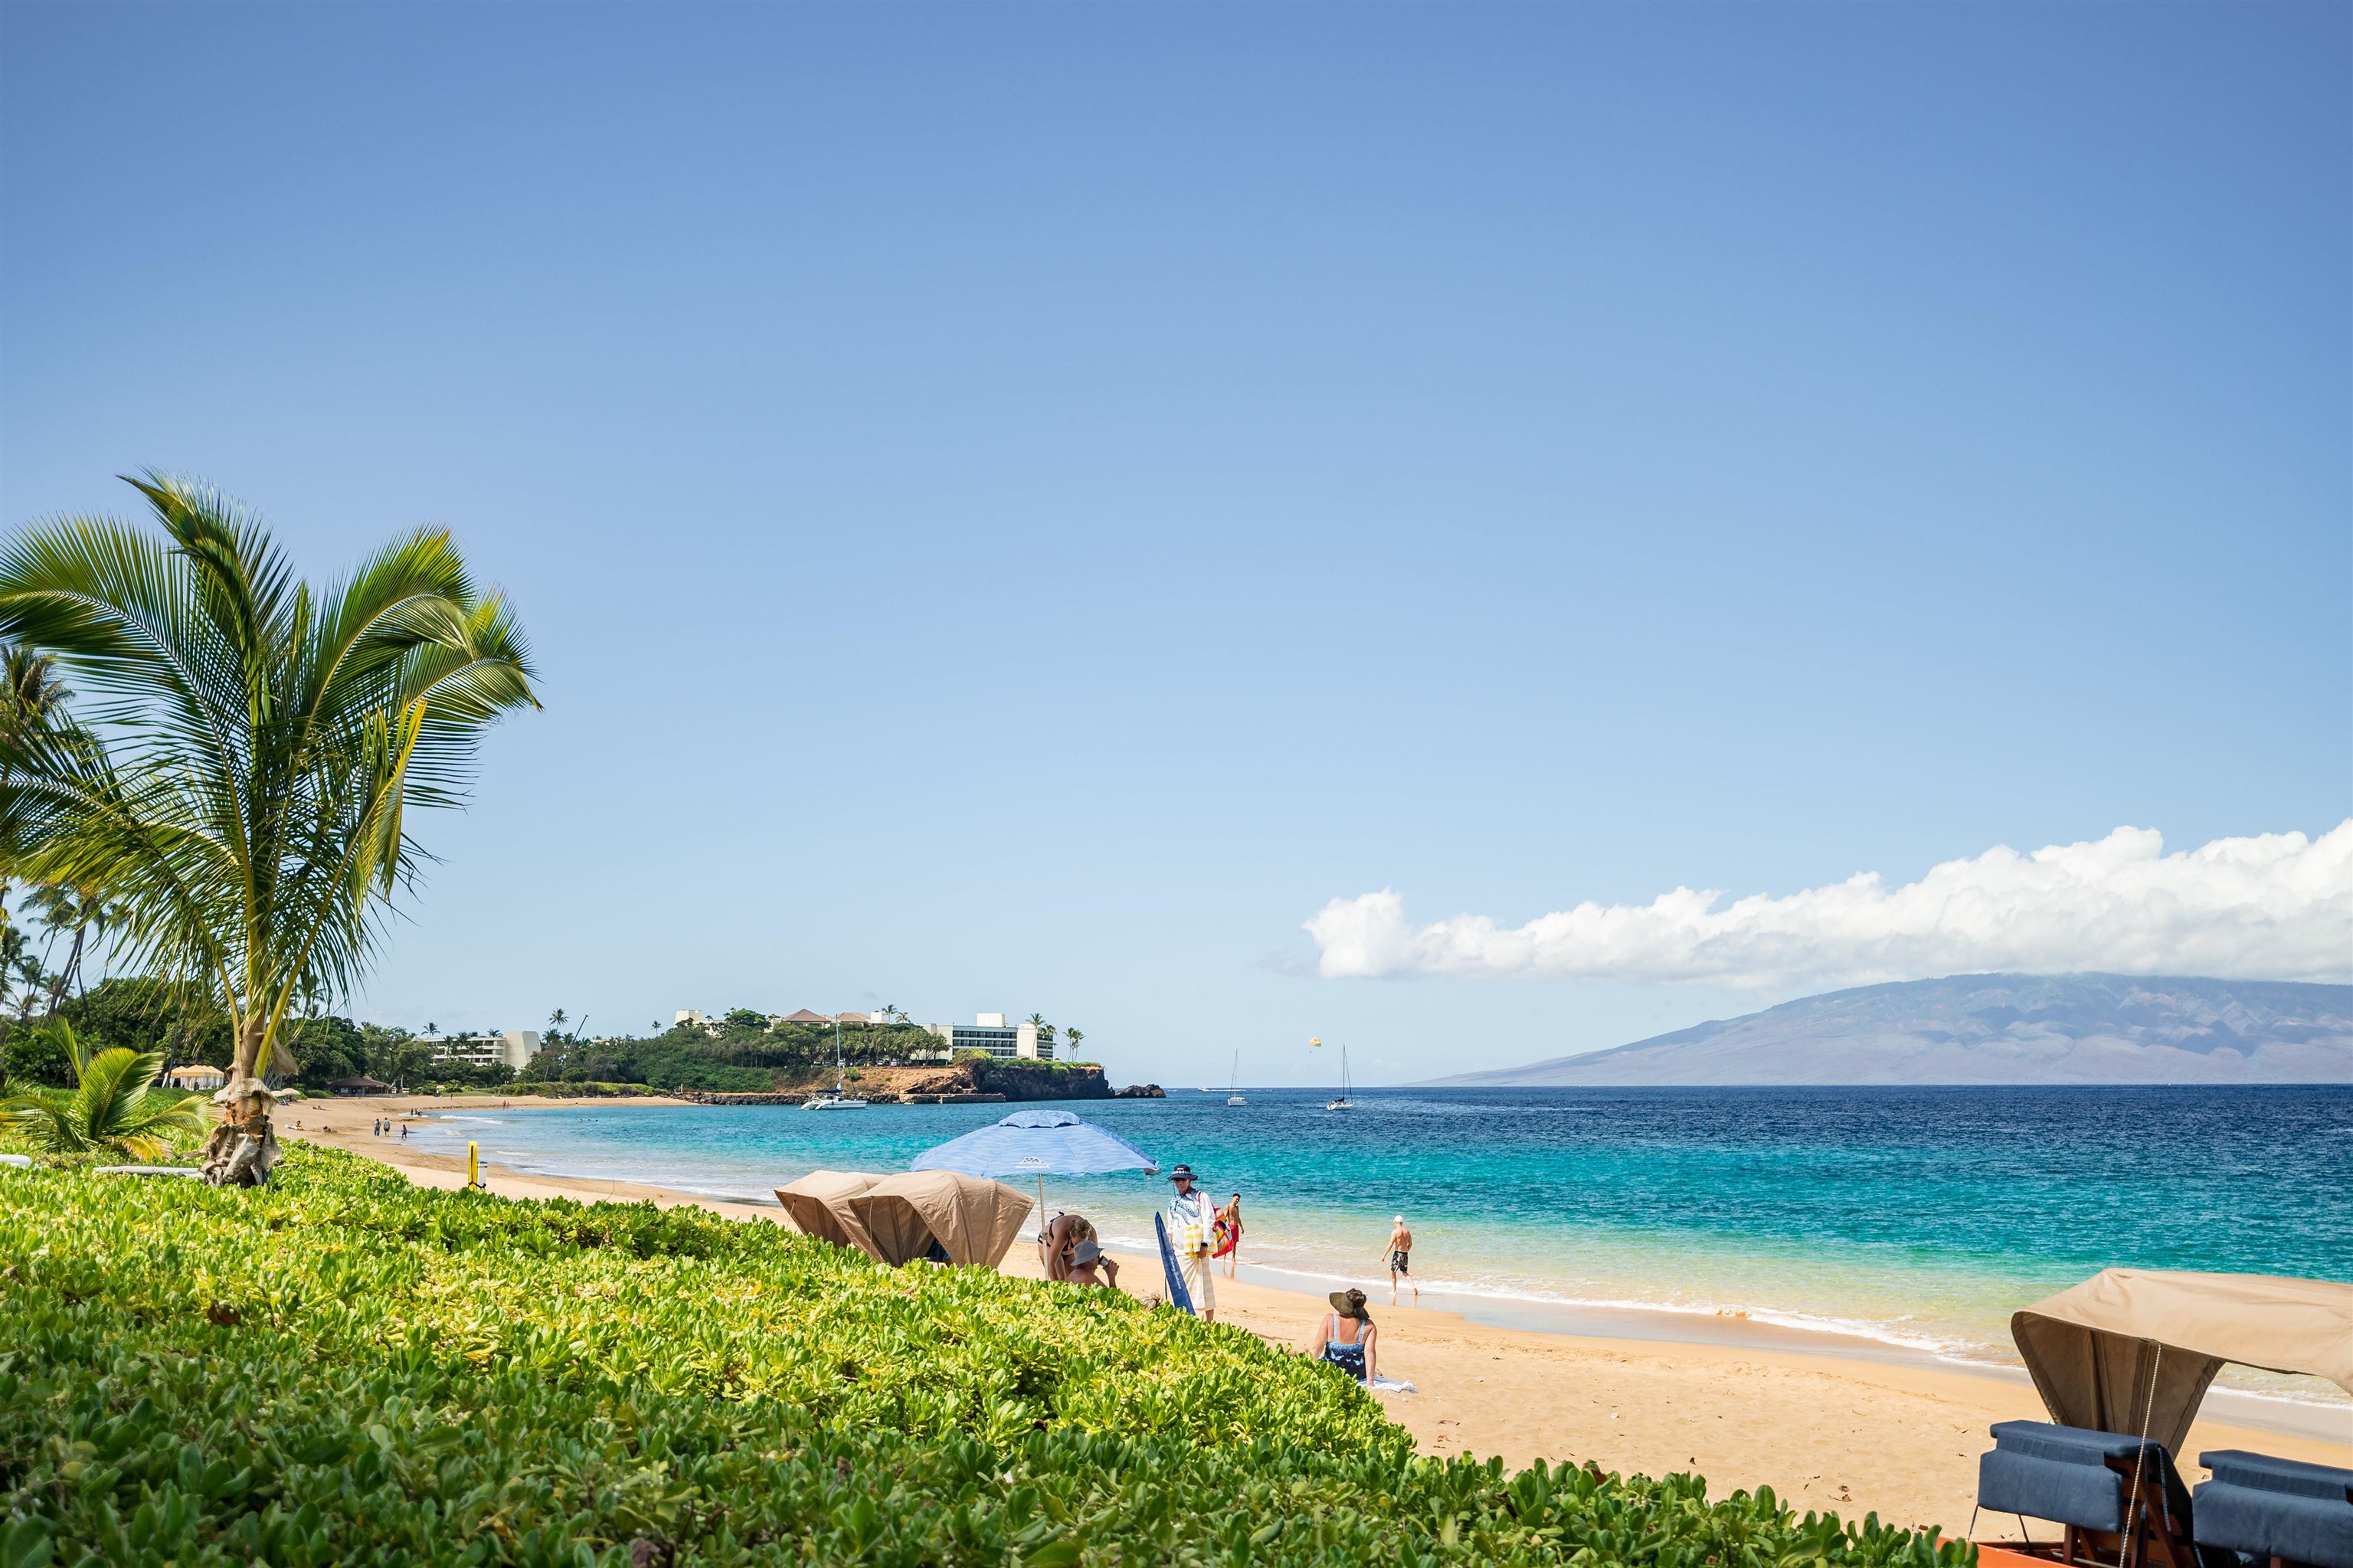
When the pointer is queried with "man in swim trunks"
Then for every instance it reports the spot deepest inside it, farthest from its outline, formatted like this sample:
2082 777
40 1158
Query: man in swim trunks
1401 1261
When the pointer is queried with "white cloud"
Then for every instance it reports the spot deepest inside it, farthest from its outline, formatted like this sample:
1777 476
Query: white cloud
2276 906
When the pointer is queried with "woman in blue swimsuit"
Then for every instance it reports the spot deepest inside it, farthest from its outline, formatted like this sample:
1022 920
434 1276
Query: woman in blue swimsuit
1349 1335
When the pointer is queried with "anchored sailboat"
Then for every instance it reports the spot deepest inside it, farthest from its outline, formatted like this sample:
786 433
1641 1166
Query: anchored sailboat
1234 1083
840 1098
1343 1102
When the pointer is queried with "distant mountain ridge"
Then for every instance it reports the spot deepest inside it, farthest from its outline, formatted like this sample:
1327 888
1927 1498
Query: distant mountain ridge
1996 1029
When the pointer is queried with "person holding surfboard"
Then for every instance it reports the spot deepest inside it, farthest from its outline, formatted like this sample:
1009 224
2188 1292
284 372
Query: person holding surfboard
1191 1218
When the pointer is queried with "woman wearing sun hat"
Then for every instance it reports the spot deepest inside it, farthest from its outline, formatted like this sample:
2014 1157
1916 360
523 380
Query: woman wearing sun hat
1348 1336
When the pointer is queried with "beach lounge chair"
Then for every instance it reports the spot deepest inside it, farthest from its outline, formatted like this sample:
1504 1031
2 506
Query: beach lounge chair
2118 1498
2122 1362
2277 1511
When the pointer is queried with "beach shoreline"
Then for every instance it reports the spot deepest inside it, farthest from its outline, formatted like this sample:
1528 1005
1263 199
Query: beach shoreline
1847 1427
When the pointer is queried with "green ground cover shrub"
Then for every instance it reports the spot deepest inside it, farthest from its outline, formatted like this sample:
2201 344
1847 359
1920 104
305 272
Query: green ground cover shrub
347 1368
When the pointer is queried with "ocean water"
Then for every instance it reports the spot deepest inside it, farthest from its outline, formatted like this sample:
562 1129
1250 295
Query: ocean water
1913 1221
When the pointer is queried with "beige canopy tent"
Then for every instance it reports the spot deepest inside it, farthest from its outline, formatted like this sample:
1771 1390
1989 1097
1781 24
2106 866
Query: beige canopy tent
818 1205
974 1220
2133 1350
895 1219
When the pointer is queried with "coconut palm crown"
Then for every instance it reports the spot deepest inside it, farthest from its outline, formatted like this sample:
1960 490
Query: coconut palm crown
240 784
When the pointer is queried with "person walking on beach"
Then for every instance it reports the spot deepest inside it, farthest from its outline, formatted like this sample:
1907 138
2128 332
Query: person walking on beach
1191 1217
1401 1261
1230 1216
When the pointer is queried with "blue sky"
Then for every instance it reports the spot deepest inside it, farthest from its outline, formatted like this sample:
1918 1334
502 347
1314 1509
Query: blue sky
1020 508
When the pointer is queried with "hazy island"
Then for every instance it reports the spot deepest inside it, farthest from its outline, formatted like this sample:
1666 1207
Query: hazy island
1995 1029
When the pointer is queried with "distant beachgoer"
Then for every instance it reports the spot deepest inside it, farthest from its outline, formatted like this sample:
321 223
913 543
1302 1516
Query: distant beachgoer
1230 1233
1346 1336
404 1130
1090 1265
1191 1217
1401 1261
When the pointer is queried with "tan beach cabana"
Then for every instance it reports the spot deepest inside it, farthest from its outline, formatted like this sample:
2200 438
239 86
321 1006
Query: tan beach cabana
818 1205
2133 1350
974 1220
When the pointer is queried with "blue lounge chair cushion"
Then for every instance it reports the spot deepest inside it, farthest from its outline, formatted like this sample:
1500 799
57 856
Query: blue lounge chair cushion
2275 1508
2057 1473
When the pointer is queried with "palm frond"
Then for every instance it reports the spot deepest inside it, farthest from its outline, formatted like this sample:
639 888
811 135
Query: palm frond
244 791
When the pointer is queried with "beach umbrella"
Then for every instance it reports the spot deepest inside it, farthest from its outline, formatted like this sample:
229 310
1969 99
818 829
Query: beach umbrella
1039 1143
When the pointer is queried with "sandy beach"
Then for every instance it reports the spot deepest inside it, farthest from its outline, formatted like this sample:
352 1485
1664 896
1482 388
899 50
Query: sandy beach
1822 1429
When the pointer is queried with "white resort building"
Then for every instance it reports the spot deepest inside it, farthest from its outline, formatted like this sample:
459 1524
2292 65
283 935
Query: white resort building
991 1033
508 1047
988 1031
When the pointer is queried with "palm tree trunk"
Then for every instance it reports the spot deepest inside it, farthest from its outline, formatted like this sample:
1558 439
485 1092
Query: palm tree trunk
244 1147
66 976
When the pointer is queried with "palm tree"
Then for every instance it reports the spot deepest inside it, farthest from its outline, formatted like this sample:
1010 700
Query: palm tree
114 1106
80 914
1074 1036
32 979
30 692
262 742
556 1023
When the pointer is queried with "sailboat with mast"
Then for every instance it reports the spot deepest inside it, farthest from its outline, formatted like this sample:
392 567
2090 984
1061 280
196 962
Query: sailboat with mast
1234 1083
1343 1102
839 1098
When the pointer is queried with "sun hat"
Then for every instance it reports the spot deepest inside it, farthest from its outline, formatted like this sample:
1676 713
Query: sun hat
1181 1173
1086 1252
1350 1303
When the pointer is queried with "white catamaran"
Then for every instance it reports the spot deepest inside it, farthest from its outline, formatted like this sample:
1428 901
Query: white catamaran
1344 1102
840 1099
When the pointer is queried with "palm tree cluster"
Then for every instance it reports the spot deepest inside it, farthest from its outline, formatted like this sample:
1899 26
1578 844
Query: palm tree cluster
237 797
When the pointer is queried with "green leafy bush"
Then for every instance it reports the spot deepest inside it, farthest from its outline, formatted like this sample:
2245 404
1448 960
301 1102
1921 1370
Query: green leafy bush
344 1368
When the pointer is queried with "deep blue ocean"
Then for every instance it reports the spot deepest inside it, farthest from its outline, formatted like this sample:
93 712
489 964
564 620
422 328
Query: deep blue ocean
1912 1218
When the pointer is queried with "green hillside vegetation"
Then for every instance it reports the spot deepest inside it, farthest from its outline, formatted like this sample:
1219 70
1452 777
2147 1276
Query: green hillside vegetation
182 1027
342 1367
745 1057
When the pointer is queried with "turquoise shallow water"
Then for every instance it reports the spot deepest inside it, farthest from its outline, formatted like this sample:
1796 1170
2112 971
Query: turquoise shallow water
1917 1219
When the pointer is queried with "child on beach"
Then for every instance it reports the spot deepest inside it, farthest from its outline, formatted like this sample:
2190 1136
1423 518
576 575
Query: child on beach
1230 1236
1065 1235
1401 1261
1086 1259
